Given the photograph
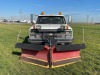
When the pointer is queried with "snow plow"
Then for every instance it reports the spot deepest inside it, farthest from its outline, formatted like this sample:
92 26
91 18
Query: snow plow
50 43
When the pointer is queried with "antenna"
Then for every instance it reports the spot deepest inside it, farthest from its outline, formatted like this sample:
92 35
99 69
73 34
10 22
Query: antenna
92 20
87 18
21 15
20 12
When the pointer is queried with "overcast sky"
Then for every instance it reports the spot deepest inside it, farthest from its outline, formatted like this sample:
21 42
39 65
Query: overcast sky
78 9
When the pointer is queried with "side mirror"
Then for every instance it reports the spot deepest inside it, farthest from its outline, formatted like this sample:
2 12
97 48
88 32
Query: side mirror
31 18
69 19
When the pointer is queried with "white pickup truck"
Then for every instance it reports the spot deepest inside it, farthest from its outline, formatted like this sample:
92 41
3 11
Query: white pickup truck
50 25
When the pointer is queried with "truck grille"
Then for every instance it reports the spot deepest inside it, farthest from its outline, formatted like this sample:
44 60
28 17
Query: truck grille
55 35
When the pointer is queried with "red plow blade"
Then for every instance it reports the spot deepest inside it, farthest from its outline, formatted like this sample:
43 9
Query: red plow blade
50 59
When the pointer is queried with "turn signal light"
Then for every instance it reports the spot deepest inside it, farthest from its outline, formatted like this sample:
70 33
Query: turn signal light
38 27
34 27
66 27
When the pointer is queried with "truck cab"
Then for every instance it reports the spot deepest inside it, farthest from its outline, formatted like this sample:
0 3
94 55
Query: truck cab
50 25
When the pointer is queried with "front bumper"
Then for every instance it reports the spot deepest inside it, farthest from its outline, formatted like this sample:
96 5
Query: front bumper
43 41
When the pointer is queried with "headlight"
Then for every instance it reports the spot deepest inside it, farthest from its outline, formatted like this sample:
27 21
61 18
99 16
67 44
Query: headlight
62 27
38 27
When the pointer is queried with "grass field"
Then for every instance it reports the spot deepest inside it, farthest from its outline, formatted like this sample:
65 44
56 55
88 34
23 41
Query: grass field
11 65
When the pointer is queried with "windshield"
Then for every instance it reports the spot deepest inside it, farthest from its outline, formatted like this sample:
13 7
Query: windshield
51 20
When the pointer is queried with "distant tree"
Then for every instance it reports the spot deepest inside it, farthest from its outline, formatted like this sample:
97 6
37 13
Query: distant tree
5 20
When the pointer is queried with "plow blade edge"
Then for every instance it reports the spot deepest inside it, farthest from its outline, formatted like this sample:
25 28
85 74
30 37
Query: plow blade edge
30 46
70 47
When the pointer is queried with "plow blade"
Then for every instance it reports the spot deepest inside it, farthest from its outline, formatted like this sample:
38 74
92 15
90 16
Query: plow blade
50 56
70 47
39 58
29 46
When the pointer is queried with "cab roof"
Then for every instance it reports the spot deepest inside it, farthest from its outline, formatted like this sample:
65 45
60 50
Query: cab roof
51 15
43 14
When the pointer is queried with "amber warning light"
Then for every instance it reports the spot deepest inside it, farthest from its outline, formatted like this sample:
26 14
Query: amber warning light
42 13
60 13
